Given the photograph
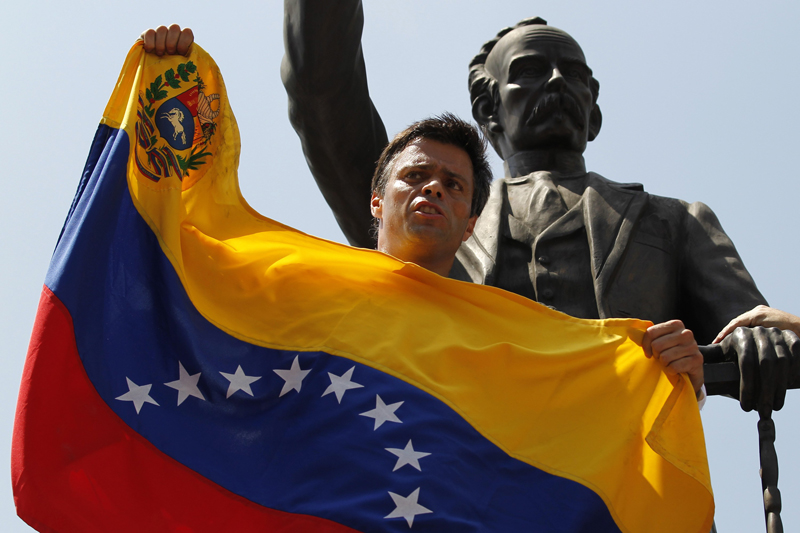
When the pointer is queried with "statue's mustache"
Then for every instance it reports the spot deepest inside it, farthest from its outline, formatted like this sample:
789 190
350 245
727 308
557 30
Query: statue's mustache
557 102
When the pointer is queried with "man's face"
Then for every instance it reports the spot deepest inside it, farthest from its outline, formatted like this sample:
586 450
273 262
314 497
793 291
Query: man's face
544 91
425 210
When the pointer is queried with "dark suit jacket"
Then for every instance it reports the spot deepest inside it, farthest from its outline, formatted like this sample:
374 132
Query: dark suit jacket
651 257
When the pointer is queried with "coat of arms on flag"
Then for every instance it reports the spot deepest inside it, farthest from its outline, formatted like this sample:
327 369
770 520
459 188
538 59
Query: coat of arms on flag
175 123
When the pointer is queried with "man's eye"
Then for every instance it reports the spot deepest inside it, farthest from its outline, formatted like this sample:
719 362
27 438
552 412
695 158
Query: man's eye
455 186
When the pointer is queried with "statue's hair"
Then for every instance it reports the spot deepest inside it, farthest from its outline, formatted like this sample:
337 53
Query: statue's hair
481 82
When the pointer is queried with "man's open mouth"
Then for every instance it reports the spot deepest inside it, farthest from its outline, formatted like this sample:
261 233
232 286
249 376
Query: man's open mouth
428 209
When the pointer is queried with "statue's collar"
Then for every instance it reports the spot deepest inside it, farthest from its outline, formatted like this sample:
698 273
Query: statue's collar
565 164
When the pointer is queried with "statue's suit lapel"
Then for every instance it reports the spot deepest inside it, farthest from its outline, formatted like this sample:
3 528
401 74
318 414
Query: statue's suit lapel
610 213
475 259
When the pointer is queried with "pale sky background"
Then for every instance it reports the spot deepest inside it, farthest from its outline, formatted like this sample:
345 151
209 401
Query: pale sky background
699 102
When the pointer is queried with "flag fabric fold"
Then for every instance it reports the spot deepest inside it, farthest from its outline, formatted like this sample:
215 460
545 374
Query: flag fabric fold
195 366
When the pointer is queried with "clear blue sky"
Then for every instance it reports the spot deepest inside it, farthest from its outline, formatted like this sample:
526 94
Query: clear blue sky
698 99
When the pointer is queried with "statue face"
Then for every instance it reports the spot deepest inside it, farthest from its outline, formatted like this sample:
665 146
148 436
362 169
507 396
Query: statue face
545 99
425 209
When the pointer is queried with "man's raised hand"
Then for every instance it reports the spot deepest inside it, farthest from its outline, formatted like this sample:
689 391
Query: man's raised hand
170 41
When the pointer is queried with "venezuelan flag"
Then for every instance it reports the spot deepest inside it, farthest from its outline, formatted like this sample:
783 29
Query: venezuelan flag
195 366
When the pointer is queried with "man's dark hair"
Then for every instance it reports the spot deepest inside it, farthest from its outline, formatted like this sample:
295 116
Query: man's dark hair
447 129
481 82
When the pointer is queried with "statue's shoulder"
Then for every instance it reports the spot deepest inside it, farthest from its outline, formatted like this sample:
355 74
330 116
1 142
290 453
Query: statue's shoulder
671 216
685 217
635 187
693 209
656 202
670 211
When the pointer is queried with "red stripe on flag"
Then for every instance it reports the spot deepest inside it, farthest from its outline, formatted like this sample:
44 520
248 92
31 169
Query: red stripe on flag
75 466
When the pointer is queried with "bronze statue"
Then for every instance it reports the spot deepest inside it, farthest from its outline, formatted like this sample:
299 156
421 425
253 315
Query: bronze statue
551 231
557 234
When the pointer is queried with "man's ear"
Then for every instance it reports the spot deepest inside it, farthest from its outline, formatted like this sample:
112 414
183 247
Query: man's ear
470 228
595 121
376 206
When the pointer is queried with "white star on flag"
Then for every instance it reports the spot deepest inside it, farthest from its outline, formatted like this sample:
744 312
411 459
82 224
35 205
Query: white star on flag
407 456
293 377
340 384
407 507
239 381
138 394
383 413
186 385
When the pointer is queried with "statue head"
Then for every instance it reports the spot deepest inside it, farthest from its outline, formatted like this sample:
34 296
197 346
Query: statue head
531 89
431 183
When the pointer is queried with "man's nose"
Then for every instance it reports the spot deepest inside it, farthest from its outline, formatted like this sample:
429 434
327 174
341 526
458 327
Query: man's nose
434 187
556 81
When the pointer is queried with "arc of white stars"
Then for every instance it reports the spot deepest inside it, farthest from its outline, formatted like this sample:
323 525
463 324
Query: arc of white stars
340 384
383 413
138 394
407 456
293 377
407 507
239 381
186 384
